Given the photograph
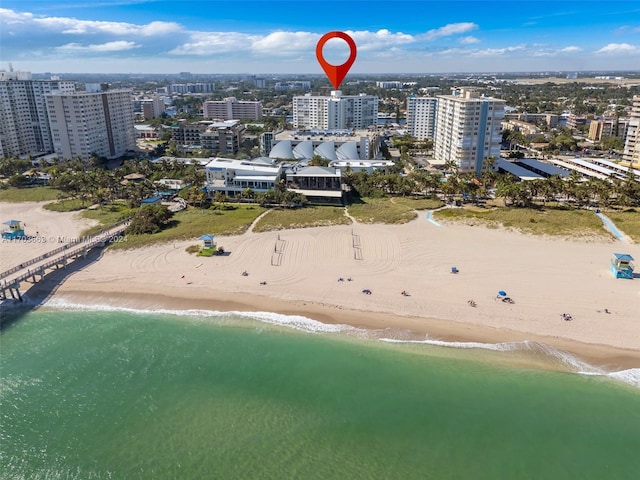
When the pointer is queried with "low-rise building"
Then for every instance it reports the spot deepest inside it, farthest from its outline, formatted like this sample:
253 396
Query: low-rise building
328 144
217 137
232 177
320 185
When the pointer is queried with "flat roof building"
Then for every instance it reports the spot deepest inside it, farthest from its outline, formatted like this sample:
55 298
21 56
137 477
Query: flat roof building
335 111
24 120
421 117
83 124
231 108
468 129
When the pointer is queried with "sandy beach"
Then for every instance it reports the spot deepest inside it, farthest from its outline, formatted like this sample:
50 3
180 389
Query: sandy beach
320 273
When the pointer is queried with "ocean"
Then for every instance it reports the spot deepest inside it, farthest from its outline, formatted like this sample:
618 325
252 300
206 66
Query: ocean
121 394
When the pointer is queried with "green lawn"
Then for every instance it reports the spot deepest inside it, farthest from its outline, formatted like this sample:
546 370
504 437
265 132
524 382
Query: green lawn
390 210
193 222
67 205
627 221
107 215
28 194
548 221
313 216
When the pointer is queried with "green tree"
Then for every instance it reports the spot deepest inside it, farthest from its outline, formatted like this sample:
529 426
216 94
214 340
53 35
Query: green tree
149 219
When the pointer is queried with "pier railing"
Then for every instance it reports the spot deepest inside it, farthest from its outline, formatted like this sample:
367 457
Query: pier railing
71 251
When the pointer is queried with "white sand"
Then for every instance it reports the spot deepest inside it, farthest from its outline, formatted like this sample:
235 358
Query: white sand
545 277
46 227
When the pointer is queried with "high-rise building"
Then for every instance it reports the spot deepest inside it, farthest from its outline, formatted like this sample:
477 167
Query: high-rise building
421 117
84 123
24 123
632 145
152 107
468 129
335 111
232 109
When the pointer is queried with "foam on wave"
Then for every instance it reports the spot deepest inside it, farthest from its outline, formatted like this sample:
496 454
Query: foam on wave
296 322
629 376
304 324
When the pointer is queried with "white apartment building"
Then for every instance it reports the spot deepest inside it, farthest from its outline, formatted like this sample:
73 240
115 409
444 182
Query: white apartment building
468 129
85 123
632 145
421 117
390 84
231 108
24 124
232 177
335 112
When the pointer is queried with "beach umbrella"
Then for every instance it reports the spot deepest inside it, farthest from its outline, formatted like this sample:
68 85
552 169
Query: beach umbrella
502 293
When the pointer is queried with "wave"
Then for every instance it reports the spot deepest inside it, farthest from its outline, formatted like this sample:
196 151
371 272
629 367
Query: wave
630 376
308 325
296 322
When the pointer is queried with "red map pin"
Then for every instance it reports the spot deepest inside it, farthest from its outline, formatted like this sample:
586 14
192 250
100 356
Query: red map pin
336 73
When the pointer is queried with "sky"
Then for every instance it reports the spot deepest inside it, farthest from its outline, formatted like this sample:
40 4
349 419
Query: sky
280 37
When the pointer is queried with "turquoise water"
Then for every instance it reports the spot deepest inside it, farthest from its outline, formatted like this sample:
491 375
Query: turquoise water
122 395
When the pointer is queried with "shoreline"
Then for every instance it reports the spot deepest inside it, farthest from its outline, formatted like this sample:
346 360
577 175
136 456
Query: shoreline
606 357
322 273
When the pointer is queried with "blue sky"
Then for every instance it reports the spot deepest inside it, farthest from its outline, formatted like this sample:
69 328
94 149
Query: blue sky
392 36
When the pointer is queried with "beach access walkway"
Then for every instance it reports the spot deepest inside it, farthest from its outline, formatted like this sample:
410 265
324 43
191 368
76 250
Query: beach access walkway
35 269
609 225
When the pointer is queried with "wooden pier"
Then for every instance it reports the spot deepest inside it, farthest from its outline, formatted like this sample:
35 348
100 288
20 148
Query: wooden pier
35 269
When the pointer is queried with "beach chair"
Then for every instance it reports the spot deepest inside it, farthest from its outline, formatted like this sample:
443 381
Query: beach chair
454 270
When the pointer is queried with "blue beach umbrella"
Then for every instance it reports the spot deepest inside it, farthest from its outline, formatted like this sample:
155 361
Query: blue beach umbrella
502 293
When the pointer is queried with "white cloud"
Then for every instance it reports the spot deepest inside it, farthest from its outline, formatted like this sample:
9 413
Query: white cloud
544 51
104 47
618 49
448 30
627 29
211 43
496 52
72 26
284 42
468 40
570 49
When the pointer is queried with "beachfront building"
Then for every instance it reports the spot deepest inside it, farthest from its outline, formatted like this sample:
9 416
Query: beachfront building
468 129
320 185
232 177
231 108
368 166
92 122
335 112
329 144
24 120
631 154
421 117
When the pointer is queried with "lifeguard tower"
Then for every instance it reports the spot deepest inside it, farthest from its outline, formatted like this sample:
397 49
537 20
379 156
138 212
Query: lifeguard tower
208 241
621 266
15 230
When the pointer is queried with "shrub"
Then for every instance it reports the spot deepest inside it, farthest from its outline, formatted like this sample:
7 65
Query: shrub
149 219
193 249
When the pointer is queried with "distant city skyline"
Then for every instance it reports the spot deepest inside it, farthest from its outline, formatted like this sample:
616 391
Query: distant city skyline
279 37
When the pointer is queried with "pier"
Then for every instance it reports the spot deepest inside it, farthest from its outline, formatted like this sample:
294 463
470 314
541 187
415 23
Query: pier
34 270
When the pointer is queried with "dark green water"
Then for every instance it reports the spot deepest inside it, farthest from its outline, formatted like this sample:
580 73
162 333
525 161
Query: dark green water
115 395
